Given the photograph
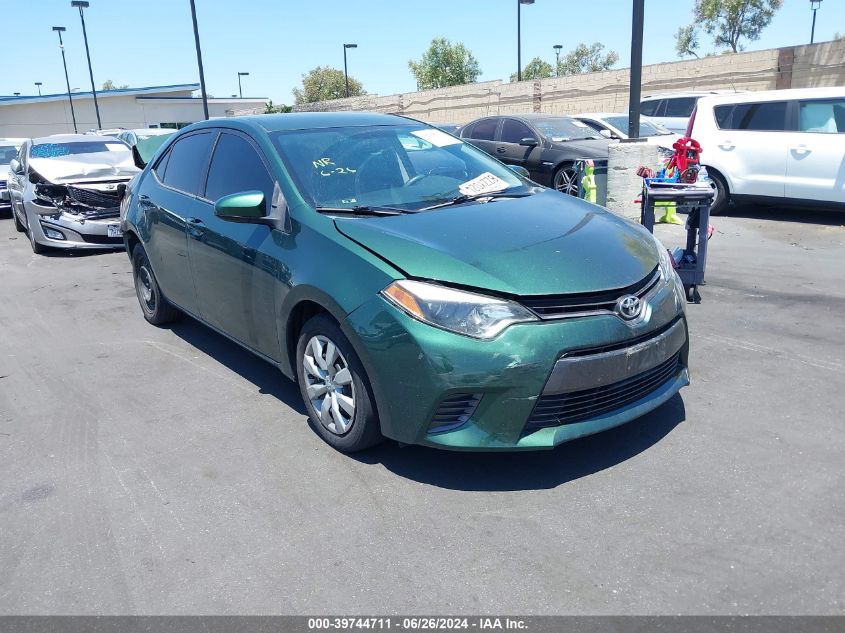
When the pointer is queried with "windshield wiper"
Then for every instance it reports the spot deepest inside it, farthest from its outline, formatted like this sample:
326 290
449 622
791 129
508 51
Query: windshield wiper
363 210
479 196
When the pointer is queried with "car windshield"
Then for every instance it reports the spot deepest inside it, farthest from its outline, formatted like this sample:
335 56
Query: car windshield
55 150
7 153
565 129
646 128
404 167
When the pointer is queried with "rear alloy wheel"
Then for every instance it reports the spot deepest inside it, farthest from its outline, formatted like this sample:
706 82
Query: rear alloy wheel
723 196
565 180
157 310
334 387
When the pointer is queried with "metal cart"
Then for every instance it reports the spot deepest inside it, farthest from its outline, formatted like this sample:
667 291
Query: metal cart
694 200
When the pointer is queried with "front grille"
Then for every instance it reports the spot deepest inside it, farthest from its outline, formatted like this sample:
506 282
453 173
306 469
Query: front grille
99 199
566 408
101 239
559 306
454 411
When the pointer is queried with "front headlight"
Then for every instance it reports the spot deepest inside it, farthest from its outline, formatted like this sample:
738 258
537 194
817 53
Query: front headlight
458 311
667 269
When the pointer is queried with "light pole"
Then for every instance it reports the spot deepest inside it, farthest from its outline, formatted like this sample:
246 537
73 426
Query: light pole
636 70
39 84
814 6
60 30
240 90
345 70
519 4
17 94
199 60
83 4
557 48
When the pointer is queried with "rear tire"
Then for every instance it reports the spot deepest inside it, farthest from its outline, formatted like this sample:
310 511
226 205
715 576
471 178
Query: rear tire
157 310
723 195
335 387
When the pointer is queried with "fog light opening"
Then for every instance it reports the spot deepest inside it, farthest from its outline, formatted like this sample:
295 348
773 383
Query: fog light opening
52 234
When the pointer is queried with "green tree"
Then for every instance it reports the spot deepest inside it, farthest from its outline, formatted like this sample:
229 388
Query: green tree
727 22
444 64
108 84
536 69
269 108
587 59
686 41
325 83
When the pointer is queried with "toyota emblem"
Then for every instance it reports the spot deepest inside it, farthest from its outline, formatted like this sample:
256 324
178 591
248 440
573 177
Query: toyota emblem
628 307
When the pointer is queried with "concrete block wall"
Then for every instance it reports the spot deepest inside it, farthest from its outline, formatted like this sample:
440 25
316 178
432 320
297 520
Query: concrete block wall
820 64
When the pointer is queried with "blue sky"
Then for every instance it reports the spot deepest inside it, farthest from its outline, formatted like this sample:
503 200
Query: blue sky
150 42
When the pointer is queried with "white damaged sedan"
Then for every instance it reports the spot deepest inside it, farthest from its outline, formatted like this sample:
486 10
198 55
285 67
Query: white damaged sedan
65 190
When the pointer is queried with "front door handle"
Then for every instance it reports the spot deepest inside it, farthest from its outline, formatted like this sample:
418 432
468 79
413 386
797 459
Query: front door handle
726 145
801 149
501 150
196 228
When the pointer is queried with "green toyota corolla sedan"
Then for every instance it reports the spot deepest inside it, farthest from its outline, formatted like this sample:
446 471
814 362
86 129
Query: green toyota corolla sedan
413 286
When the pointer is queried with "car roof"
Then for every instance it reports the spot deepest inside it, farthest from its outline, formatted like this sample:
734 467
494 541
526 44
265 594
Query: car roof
777 95
692 93
312 120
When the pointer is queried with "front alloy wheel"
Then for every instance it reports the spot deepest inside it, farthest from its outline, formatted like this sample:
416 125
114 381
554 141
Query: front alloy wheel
566 180
329 384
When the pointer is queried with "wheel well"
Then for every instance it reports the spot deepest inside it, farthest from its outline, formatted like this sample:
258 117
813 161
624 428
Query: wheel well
721 176
131 242
299 316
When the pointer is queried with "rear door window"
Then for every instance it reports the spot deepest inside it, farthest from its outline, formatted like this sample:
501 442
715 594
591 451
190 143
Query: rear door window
484 130
761 117
826 116
236 167
649 108
187 161
514 131
679 107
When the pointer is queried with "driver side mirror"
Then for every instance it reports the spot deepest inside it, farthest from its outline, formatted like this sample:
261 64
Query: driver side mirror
528 141
246 206
15 167
608 134
519 169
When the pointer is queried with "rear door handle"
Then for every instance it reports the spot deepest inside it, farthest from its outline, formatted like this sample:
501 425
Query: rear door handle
196 228
801 149
726 145
501 150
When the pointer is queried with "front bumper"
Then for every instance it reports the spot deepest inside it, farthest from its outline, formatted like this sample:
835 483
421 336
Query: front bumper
414 367
78 232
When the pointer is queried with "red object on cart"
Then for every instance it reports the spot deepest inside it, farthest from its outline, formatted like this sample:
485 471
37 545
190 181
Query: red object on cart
685 159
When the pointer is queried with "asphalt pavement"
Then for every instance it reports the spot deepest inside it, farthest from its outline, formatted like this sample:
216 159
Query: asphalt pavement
154 470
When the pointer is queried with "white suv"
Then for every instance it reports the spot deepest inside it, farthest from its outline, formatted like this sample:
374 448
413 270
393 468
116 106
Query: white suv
777 145
672 110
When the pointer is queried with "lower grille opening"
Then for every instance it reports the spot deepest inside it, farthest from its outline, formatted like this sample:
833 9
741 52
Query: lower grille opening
454 411
566 408
101 239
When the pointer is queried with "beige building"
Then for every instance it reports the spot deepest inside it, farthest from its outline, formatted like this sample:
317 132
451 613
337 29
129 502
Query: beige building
156 106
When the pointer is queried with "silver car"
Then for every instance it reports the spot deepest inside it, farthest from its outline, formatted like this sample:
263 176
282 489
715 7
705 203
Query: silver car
8 151
65 190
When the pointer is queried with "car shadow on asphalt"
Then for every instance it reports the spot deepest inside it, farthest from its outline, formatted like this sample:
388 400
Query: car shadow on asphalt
825 217
534 470
267 378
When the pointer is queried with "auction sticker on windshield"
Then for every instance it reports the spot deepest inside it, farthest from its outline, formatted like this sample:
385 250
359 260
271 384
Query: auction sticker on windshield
438 138
485 183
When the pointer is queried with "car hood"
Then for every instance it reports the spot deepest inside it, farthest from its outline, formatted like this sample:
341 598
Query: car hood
586 148
88 167
547 243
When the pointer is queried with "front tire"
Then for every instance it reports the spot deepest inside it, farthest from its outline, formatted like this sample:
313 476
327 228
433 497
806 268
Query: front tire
565 180
157 310
335 388
19 227
37 248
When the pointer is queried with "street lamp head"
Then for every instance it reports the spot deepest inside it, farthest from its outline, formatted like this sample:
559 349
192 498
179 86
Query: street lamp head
38 83
814 4
557 47
243 74
350 46
82 4
60 29
526 1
